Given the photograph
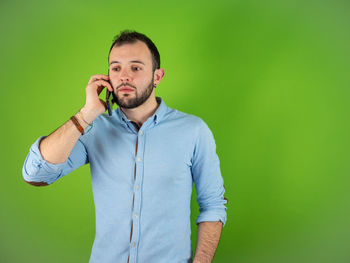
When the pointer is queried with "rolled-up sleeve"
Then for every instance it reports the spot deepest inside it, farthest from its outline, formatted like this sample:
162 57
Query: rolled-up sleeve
207 177
36 169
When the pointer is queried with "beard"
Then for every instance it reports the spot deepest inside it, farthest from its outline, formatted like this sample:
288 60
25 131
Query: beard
124 100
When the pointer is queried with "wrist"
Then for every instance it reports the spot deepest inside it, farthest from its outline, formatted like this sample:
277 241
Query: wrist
88 115
201 258
80 121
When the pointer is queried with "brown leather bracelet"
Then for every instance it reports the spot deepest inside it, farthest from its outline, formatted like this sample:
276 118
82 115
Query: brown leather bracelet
77 124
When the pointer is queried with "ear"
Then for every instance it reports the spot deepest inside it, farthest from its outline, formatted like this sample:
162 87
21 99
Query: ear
158 76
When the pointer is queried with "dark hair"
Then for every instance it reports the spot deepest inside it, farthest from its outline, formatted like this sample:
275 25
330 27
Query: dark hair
129 37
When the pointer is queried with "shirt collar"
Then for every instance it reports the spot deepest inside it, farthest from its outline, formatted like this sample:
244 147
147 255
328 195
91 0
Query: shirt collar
156 117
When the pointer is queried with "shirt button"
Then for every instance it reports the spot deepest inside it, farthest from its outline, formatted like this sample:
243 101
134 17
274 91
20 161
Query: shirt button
139 159
136 215
133 244
141 132
137 186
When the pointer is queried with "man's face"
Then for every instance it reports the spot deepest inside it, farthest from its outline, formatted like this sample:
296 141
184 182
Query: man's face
130 66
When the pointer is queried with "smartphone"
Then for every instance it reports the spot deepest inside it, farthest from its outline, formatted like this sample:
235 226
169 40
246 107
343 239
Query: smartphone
108 102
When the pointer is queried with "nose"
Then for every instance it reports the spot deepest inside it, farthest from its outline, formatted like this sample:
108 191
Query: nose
125 76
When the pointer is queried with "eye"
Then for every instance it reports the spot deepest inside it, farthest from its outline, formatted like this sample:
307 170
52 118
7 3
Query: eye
115 69
136 68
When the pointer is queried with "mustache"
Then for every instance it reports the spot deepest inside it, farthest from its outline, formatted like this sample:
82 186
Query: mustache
126 84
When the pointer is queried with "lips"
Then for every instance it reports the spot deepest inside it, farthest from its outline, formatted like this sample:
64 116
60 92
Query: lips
126 89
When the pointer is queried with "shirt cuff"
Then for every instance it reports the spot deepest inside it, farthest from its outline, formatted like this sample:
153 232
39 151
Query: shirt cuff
212 216
36 169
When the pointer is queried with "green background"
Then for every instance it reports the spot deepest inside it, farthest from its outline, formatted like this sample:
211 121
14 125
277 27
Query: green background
270 78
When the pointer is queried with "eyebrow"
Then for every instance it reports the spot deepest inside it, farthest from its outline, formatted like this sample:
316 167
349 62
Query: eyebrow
133 61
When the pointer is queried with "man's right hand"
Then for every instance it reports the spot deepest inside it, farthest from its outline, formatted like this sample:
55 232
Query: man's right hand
94 106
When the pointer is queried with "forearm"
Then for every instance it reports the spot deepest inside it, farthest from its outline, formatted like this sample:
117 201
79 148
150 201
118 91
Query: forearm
208 237
57 147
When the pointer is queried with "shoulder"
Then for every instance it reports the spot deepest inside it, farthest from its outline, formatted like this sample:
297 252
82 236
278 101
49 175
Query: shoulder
197 126
187 119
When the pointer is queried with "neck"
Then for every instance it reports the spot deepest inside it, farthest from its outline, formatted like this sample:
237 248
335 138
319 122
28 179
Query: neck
141 113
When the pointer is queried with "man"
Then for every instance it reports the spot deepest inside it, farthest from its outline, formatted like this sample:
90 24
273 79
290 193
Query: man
143 158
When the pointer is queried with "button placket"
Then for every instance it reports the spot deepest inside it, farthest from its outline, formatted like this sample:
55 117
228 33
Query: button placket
134 233
133 201
137 197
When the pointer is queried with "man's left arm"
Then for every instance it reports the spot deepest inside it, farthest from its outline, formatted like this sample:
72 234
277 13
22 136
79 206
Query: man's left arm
208 237
210 194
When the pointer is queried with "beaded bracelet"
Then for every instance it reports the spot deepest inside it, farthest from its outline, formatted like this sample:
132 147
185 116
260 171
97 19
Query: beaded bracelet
77 124
82 117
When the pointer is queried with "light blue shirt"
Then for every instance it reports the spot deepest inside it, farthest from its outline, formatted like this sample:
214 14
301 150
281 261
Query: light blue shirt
142 201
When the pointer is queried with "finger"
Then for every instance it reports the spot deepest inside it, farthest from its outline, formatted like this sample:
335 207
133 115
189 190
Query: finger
100 88
97 77
103 83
